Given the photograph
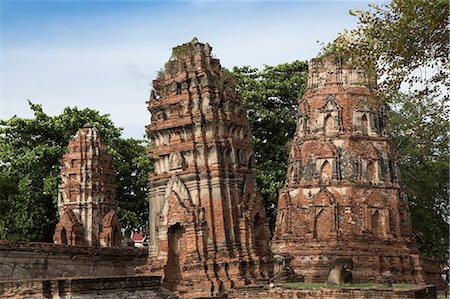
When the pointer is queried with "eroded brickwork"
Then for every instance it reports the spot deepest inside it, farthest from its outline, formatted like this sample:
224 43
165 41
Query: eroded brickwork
136 287
86 202
29 260
208 229
342 196
422 292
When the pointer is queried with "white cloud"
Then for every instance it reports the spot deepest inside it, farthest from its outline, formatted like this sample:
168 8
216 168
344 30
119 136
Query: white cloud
107 62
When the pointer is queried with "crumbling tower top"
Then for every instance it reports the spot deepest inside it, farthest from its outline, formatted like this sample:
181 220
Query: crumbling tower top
86 201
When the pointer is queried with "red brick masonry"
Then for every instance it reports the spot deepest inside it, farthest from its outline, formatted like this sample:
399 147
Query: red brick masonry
86 201
342 196
26 260
208 229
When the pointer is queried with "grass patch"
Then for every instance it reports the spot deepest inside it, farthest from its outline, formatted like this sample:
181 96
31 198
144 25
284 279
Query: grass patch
306 285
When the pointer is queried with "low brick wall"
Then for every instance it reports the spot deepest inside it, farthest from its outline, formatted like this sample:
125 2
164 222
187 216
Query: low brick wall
26 260
422 292
148 287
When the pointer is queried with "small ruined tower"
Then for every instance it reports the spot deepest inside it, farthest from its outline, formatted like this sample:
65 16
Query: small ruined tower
342 196
86 201
208 230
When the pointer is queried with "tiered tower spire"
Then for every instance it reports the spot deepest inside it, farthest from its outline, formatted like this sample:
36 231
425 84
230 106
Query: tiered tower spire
86 201
208 229
342 196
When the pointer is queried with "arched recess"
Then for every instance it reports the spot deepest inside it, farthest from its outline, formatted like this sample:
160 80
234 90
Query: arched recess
328 124
63 236
176 197
71 228
172 269
377 225
110 235
176 218
175 184
324 222
326 171
371 171
176 161
364 125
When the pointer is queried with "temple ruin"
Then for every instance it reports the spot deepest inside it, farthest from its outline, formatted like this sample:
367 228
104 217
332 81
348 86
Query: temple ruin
208 231
208 228
86 201
342 196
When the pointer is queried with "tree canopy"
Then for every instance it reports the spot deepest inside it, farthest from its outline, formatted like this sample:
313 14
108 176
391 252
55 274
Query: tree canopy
419 128
406 42
271 100
30 159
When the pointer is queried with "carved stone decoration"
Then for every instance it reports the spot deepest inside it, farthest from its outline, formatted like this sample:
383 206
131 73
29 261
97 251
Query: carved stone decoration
86 200
208 230
176 161
347 198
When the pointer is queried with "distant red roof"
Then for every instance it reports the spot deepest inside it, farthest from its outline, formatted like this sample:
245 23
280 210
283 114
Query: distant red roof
137 236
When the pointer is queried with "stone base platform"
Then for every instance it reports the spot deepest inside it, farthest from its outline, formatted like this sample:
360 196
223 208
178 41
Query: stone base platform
137 287
422 292
29 260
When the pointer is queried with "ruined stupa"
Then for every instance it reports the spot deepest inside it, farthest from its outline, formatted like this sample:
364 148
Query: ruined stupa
342 196
207 229
86 201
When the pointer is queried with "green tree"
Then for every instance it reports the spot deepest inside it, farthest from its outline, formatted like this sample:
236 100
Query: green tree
406 42
30 159
132 166
419 128
271 100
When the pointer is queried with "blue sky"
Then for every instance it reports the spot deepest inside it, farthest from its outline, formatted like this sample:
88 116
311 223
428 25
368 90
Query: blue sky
104 54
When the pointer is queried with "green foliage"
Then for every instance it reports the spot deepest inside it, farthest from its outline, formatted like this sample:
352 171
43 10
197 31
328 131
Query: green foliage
420 130
132 166
405 41
271 100
30 157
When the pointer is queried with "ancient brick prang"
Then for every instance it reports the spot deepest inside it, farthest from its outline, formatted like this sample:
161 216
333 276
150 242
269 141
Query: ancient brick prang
342 196
208 229
86 201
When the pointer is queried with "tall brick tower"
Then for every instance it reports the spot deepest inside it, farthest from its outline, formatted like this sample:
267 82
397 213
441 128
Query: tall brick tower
207 227
342 196
86 202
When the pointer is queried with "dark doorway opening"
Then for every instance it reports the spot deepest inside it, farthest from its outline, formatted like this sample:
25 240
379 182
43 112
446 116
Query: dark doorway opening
172 270
64 236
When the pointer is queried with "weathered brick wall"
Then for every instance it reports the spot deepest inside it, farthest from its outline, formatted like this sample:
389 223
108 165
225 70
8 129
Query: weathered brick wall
148 287
86 201
25 260
208 230
342 196
427 292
